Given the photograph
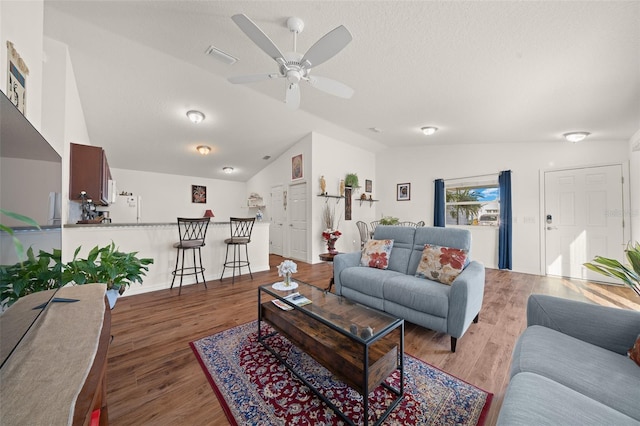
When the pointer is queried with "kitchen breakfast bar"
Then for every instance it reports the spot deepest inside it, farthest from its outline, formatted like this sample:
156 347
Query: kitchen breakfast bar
155 240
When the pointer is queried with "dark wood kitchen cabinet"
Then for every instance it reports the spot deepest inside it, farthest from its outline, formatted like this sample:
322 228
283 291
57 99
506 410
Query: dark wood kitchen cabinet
90 173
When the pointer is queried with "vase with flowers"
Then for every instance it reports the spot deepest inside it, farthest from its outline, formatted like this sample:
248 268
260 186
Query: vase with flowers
331 236
285 270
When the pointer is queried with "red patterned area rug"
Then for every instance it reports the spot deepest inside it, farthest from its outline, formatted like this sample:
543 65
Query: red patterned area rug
254 388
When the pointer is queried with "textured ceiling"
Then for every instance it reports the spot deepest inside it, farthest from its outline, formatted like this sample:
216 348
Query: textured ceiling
483 72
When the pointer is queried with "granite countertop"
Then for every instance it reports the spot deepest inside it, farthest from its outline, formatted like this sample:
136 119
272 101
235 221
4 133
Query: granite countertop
33 228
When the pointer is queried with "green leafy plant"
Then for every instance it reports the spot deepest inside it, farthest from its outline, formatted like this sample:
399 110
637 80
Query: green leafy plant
351 180
389 220
106 265
17 244
30 276
46 271
628 274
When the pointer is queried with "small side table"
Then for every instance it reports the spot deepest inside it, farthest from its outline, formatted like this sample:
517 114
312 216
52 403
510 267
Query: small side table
328 257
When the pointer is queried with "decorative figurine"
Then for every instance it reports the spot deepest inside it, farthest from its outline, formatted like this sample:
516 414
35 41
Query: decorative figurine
366 332
323 186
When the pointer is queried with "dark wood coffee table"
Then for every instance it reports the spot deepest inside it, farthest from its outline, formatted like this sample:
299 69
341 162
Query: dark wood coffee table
323 329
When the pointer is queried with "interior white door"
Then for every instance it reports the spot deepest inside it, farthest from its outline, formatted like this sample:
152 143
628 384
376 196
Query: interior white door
583 218
297 207
276 230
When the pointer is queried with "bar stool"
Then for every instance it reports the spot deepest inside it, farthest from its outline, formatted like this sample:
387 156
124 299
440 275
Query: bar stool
192 233
240 236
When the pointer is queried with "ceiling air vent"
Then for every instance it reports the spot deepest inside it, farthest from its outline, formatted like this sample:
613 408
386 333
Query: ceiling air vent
221 56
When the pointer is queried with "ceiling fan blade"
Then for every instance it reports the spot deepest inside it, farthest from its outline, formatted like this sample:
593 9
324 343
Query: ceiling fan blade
241 79
293 95
328 46
332 87
257 36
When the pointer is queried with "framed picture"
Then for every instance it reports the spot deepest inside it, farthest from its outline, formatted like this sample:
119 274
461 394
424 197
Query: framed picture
16 79
403 192
368 185
296 167
198 194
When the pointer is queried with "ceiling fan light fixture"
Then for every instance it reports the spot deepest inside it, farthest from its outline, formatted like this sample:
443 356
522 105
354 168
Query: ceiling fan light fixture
576 136
195 116
227 170
429 130
203 149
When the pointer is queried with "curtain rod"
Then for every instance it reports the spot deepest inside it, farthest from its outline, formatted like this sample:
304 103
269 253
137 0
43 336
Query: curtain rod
475 176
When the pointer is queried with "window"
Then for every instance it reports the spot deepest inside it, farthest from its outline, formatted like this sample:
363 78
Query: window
476 204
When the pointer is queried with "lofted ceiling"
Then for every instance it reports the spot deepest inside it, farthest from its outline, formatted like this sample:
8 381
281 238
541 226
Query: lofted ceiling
482 72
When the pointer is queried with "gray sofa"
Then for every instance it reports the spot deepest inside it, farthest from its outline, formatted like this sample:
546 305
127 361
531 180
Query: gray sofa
570 367
447 308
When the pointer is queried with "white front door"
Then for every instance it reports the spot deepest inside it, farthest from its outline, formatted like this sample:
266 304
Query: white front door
583 218
297 207
276 230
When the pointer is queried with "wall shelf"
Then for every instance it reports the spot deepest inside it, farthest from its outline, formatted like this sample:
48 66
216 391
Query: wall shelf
366 200
327 196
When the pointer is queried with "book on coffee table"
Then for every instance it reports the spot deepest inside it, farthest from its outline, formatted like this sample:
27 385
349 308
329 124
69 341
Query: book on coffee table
295 298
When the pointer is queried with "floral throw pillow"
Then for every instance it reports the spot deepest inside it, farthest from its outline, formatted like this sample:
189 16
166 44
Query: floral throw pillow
442 264
375 253
634 352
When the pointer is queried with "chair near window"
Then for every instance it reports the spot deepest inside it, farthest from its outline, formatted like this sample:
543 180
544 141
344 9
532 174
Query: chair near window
363 228
373 227
192 233
241 229
408 223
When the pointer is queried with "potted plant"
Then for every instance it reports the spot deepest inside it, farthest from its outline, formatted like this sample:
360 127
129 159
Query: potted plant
47 271
628 274
389 220
106 265
351 180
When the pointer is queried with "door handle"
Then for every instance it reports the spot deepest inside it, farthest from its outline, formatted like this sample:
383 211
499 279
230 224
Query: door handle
551 228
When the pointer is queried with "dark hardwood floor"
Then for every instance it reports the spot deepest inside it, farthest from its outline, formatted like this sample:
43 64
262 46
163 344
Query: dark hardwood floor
154 378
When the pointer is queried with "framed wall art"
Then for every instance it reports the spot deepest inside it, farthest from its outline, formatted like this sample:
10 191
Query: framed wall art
403 192
198 194
368 185
296 167
17 73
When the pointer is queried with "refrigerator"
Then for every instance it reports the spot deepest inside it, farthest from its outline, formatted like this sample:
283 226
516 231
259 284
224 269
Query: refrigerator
125 209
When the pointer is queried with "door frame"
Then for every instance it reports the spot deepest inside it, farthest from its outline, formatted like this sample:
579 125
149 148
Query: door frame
626 211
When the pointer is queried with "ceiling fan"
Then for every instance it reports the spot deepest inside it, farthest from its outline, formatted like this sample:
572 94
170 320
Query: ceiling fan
293 66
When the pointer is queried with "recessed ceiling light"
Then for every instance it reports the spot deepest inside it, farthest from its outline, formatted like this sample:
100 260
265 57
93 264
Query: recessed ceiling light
203 149
195 116
227 170
429 130
576 136
266 157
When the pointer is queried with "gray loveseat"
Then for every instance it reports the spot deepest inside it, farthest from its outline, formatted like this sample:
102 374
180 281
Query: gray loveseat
447 308
570 366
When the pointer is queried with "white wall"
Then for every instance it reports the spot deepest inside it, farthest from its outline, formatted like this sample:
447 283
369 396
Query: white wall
279 173
63 118
27 192
634 185
21 22
166 197
333 159
420 166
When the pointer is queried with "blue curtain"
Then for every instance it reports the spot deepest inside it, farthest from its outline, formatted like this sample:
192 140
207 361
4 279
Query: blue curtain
438 203
505 232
